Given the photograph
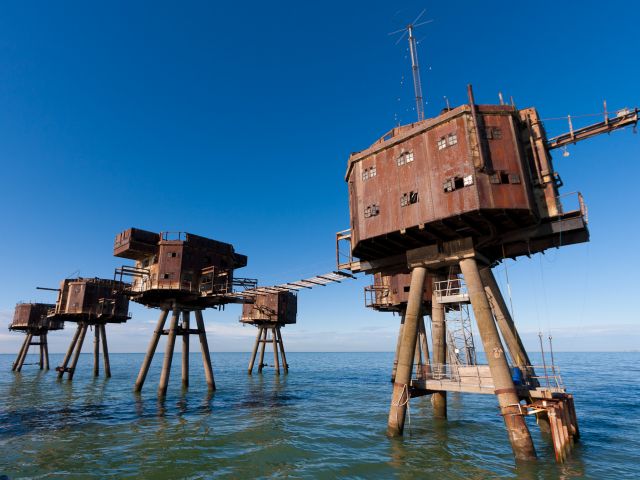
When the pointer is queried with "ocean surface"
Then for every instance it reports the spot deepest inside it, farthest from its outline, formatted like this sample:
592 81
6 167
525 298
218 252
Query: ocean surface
325 419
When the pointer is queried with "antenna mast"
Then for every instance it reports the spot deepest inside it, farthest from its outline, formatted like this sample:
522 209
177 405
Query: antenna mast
417 84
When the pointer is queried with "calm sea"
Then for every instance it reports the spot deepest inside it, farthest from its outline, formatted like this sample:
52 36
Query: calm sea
326 419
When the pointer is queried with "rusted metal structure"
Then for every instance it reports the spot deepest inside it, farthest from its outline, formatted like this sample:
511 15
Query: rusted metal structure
270 312
467 189
32 320
271 308
179 273
91 303
390 293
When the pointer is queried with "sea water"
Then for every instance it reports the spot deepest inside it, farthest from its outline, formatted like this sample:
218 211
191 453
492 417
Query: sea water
325 419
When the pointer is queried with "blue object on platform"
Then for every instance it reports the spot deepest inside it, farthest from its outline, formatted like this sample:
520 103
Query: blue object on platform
517 376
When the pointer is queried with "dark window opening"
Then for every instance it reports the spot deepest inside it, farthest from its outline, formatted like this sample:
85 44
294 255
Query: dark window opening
407 288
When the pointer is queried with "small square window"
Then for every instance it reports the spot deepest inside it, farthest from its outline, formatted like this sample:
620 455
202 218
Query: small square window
514 178
372 172
442 143
468 180
408 157
497 133
452 139
166 276
401 160
365 174
404 200
172 254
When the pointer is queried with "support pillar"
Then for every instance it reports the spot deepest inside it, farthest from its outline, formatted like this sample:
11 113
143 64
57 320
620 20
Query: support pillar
263 343
274 343
504 320
83 331
168 354
151 350
185 350
41 348
61 369
395 358
439 339
46 350
96 351
25 345
252 361
285 365
105 351
204 346
401 386
506 393
25 351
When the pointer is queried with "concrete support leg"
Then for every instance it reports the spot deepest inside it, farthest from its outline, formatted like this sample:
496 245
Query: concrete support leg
395 359
285 365
206 356
151 350
168 354
274 343
506 393
439 339
76 356
400 396
25 345
504 320
96 351
41 362
46 351
185 349
105 351
263 343
424 344
25 351
67 356
252 361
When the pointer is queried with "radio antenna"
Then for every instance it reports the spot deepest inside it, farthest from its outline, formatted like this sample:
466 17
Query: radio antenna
415 68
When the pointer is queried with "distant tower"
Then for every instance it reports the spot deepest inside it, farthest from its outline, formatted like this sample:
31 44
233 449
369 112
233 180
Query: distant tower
270 312
179 272
31 319
91 303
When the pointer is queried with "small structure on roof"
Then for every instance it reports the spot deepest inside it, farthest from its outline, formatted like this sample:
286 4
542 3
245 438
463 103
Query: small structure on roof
31 319
89 302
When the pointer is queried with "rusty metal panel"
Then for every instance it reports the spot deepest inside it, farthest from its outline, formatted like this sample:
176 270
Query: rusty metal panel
280 308
135 243
32 316
91 300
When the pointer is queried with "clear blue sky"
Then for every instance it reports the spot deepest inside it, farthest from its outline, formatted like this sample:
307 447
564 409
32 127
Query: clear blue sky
235 120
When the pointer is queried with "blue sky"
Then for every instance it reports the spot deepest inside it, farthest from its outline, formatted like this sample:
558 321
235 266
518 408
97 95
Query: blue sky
235 121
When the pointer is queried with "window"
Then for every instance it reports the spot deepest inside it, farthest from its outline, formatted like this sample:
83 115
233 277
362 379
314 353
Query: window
172 254
368 173
408 199
452 139
371 211
166 276
493 133
405 157
442 143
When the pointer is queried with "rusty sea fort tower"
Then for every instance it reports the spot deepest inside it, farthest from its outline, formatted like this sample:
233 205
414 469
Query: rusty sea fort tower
442 201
